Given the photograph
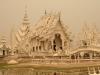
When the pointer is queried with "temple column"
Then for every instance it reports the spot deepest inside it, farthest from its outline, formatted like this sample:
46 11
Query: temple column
35 48
42 45
65 45
52 44
78 58
63 48
91 55
39 46
35 45
45 45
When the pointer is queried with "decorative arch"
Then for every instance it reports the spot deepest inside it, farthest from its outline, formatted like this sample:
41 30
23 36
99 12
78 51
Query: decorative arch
57 42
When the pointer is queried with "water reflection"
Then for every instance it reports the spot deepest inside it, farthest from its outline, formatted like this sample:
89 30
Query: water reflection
31 71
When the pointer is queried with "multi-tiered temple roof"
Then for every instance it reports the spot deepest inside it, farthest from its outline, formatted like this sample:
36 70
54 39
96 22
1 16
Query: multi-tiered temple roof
48 24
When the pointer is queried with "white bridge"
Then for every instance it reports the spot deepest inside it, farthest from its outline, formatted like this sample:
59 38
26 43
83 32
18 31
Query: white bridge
89 48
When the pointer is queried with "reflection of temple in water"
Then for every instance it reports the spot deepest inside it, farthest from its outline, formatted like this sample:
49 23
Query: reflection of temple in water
31 71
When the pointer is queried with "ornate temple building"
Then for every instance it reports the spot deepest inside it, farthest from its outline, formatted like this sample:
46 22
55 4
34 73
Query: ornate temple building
50 38
50 35
89 43
4 48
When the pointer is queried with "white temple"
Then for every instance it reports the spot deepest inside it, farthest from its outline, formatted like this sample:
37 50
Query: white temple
50 37
89 36
4 48
88 43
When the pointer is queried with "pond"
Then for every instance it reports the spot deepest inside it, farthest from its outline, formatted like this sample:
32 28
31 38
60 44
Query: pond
32 71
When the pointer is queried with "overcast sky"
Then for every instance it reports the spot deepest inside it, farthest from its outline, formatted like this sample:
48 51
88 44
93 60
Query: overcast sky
73 12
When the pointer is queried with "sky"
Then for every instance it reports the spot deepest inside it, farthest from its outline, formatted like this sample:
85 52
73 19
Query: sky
74 13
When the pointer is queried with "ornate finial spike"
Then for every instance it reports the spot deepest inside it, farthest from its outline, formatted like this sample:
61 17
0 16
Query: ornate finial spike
25 9
25 13
25 6
59 14
45 12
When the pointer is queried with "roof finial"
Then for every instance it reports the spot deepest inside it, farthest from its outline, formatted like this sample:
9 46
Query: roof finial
25 19
25 6
25 10
59 15
25 13
45 12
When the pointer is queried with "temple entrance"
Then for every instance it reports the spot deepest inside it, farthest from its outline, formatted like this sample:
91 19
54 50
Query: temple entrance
57 42
4 52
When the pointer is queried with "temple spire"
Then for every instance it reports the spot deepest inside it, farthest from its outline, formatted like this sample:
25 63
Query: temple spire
25 15
24 28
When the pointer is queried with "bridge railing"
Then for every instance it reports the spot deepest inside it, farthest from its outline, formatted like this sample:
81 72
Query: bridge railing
63 61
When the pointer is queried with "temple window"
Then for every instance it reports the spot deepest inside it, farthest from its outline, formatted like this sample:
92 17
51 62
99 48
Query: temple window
33 49
3 52
84 43
49 45
36 48
61 48
40 48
